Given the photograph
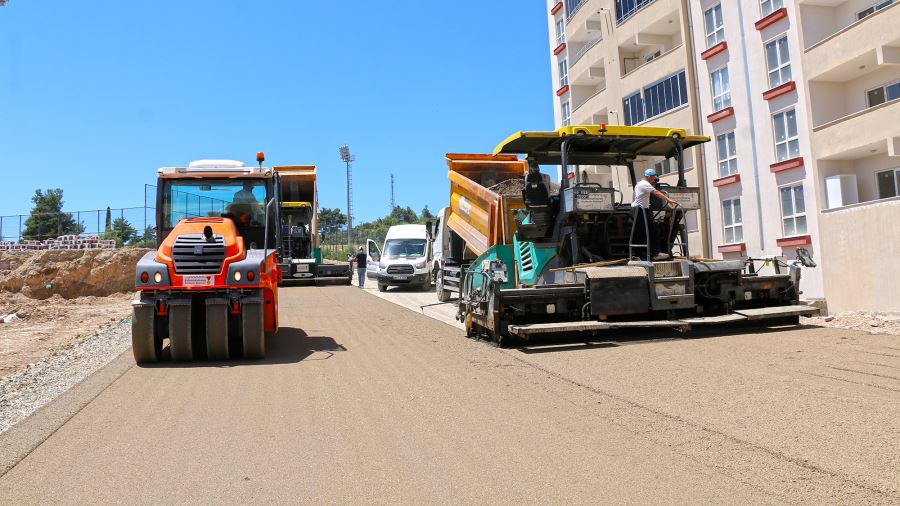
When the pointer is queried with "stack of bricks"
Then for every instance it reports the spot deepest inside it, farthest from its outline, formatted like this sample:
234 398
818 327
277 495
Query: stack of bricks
63 242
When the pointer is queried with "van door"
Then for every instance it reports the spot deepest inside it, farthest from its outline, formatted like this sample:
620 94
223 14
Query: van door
373 256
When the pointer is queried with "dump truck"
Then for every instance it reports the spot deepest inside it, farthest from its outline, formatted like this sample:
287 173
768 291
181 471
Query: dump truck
300 257
211 287
479 217
575 265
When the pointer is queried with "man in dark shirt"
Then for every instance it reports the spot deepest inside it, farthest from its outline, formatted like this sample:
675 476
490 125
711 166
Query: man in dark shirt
361 259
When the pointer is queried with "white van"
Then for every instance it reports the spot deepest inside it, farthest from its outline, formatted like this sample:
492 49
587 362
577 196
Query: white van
406 260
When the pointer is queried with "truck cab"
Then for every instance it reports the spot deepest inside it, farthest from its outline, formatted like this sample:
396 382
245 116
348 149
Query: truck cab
404 259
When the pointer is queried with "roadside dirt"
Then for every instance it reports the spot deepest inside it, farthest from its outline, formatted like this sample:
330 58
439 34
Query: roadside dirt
69 273
873 323
43 327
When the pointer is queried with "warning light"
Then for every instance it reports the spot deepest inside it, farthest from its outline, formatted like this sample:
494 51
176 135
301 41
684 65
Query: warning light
260 158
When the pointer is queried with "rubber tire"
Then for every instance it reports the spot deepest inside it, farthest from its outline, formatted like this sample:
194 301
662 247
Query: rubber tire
382 288
144 345
442 295
217 331
254 336
180 344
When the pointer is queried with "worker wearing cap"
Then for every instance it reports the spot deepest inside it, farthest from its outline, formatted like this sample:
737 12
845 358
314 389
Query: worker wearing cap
640 213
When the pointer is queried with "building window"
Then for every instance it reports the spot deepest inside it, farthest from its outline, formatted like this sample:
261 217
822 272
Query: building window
665 166
721 89
779 61
883 94
572 6
888 183
560 32
563 73
731 214
787 143
715 27
793 210
770 6
871 10
566 114
727 150
665 95
633 105
625 8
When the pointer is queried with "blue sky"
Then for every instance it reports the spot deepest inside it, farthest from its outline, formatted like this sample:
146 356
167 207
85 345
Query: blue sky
94 96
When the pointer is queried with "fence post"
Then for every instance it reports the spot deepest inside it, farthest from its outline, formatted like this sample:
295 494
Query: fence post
20 228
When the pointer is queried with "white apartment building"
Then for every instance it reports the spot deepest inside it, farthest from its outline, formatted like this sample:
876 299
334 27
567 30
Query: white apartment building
801 99
627 62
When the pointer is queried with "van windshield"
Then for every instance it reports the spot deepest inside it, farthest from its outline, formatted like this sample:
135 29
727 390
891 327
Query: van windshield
404 248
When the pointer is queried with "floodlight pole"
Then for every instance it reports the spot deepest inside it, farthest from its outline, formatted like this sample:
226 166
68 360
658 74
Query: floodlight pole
348 159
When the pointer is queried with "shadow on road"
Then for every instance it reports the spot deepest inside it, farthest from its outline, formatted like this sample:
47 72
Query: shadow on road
289 346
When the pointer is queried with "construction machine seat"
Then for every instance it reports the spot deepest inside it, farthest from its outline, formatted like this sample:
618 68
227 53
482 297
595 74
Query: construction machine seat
536 193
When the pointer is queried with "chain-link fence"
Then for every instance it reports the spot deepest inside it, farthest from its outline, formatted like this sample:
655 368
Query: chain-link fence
109 227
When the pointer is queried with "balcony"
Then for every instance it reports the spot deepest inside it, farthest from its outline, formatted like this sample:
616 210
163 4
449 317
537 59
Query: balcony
854 136
585 21
837 54
590 70
650 41
579 52
589 105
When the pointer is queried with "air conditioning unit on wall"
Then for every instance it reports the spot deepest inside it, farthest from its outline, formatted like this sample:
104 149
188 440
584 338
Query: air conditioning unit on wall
841 190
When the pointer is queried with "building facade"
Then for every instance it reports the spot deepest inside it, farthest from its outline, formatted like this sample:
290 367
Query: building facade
801 99
627 62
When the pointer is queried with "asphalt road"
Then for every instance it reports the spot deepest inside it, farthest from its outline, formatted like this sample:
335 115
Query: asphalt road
365 401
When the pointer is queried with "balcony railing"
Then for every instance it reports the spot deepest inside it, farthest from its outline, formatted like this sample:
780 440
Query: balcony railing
587 100
573 6
587 47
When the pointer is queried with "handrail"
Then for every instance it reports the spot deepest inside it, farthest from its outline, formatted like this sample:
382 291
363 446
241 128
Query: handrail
587 47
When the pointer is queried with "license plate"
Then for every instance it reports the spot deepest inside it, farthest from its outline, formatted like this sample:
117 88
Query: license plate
302 267
401 278
195 280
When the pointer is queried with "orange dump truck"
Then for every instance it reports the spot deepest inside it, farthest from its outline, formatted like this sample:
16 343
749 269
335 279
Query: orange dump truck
485 190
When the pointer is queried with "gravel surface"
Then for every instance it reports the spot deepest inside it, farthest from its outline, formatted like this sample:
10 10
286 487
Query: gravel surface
514 187
873 323
33 386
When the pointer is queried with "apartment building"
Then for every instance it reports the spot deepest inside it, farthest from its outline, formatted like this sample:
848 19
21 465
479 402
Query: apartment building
801 99
627 62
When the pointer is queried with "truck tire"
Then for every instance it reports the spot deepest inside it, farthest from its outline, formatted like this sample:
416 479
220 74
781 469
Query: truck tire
144 344
180 345
253 332
442 295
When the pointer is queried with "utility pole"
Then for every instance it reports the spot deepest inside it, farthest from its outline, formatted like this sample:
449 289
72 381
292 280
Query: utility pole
393 202
348 159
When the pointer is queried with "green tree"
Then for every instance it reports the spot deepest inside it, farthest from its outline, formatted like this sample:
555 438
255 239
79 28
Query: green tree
426 215
108 219
47 219
145 240
121 231
331 223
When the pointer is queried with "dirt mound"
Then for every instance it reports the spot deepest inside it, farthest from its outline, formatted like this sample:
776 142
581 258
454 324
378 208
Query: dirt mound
69 273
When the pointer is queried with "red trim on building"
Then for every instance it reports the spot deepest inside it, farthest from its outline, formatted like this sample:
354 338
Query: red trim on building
727 180
792 242
562 91
733 248
771 18
793 163
719 115
718 48
556 8
780 90
559 49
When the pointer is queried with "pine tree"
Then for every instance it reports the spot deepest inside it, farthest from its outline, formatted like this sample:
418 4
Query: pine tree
47 220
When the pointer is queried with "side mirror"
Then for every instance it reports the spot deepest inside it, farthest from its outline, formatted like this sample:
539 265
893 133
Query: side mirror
429 228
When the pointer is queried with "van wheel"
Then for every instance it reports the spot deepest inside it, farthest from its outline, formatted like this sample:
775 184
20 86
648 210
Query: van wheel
382 287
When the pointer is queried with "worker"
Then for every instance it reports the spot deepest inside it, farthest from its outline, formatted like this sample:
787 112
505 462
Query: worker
641 217
361 260
245 195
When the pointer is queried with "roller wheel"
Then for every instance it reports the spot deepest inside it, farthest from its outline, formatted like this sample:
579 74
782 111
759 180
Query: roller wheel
254 336
144 344
217 330
180 332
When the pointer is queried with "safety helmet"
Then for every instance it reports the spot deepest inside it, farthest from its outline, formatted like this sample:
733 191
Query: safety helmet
650 172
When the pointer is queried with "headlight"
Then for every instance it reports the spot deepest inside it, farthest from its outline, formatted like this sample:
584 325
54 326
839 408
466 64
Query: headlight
422 264
157 277
237 275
